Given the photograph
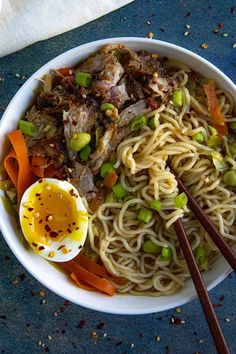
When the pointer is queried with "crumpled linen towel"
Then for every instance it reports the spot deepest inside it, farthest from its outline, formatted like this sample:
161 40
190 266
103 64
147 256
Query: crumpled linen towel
23 22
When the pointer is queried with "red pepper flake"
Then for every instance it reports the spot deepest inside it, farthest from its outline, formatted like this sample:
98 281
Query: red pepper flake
175 320
151 103
66 303
30 209
40 221
62 309
38 194
77 228
47 228
69 231
73 194
119 343
80 247
81 324
32 293
60 247
26 217
74 122
41 248
40 181
100 325
217 306
53 234
34 244
222 298
220 25
74 223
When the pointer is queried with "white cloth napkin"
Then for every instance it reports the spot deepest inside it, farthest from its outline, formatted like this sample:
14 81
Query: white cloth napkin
23 22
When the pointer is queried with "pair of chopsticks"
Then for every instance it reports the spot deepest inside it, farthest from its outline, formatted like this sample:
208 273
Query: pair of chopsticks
198 281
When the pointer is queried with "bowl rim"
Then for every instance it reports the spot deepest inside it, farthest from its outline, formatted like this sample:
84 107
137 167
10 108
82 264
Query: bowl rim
139 41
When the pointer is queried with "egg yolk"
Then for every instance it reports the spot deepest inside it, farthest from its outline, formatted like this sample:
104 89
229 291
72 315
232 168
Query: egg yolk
50 214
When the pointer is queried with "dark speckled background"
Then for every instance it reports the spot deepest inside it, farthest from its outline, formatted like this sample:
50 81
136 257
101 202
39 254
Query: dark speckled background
28 319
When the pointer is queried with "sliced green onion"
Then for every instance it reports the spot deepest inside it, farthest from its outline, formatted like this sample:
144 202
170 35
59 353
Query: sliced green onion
106 168
83 79
180 200
233 126
119 191
212 130
198 137
145 215
151 123
138 122
200 255
214 141
177 98
105 106
111 198
28 128
85 153
166 254
229 178
79 141
155 205
150 247
218 161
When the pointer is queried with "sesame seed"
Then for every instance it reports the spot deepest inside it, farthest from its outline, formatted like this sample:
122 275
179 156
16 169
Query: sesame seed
131 345
234 45
55 314
200 341
150 35
204 46
1 79
50 217
158 338
43 345
83 95
43 302
49 337
39 343
104 335
148 22
69 169
36 214
227 319
48 187
225 34
17 75
51 145
188 26
182 321
186 33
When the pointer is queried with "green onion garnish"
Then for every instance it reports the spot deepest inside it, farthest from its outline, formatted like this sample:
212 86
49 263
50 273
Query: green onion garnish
28 128
180 200
119 191
151 123
177 98
85 153
212 130
155 205
83 79
79 141
150 247
138 122
214 141
106 168
111 198
232 150
229 178
145 215
198 137
105 106
200 255
166 254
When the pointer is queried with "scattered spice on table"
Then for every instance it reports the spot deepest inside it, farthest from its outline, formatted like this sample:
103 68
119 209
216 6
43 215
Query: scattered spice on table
158 338
234 45
178 309
42 293
204 46
131 345
94 335
220 25
81 324
227 319
216 306
1 79
148 22
225 34
150 35
100 325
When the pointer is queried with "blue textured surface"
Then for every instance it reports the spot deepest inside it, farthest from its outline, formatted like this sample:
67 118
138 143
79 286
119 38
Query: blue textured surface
24 318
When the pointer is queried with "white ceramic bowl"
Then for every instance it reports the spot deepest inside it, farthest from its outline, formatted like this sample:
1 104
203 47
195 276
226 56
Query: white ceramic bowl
48 275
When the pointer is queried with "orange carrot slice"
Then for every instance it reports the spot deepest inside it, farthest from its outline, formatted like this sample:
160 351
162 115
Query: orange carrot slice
110 180
100 284
82 284
17 164
95 268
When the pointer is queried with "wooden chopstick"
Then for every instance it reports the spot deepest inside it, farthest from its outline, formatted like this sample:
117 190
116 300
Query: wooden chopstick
210 228
198 281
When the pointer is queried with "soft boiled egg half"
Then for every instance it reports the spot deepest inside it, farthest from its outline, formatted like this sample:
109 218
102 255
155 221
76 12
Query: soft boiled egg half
54 219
